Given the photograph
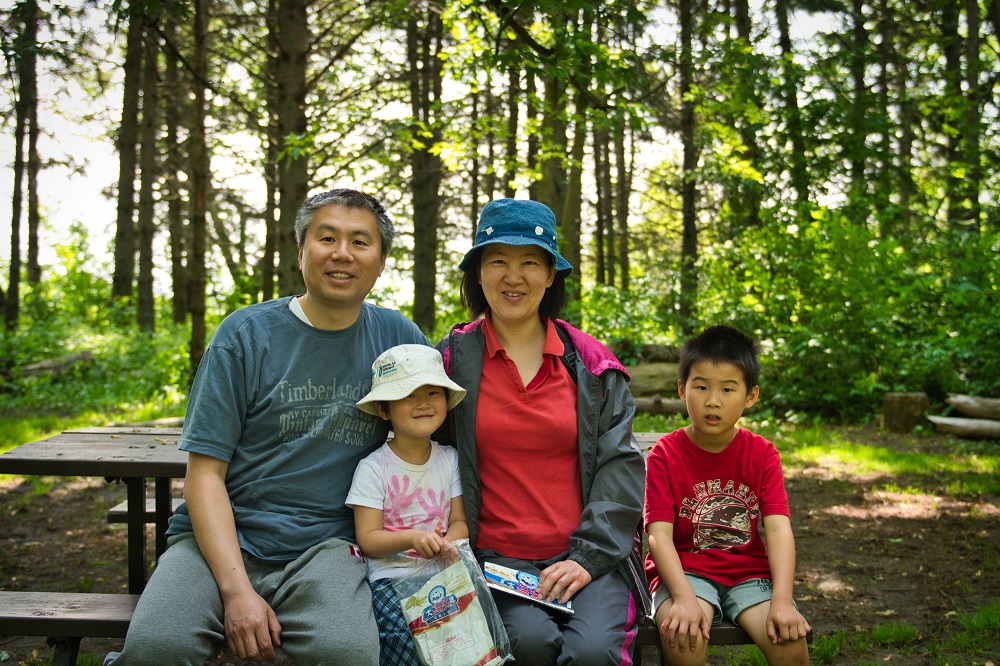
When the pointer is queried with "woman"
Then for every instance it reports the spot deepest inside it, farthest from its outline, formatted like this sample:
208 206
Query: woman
551 475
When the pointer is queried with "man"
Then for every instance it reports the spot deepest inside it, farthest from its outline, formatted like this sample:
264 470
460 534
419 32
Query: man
262 552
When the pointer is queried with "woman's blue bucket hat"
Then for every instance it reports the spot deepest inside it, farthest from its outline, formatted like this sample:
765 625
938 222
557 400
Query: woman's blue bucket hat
517 222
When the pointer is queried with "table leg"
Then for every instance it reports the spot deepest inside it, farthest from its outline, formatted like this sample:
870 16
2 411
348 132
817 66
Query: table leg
136 534
164 507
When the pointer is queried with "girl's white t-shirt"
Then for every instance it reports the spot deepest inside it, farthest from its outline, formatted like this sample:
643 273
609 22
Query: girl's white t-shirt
409 496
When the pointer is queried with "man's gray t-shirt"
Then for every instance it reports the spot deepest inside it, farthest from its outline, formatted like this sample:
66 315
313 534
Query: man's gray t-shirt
276 398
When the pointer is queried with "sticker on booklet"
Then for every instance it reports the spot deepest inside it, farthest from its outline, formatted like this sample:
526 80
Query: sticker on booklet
521 584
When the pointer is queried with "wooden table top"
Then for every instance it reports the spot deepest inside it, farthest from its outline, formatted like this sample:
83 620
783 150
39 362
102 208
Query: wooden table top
115 452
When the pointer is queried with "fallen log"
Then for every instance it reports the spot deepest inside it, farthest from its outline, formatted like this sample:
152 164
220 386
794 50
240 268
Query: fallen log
975 406
56 366
970 428
659 406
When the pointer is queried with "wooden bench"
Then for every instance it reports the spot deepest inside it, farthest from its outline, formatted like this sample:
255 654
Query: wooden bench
119 512
65 618
725 634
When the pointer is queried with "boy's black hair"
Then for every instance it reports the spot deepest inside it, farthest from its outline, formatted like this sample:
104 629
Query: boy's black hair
722 344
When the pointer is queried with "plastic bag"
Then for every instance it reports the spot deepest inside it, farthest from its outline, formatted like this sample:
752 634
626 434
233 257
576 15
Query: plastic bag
451 612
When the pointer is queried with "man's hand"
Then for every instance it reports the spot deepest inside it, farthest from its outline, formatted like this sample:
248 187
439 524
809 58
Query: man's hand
252 628
562 580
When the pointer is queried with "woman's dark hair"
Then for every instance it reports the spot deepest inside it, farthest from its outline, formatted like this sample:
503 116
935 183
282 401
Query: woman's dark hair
474 299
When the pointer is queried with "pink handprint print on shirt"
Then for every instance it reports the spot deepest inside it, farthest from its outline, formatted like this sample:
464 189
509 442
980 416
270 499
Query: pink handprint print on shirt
436 509
399 498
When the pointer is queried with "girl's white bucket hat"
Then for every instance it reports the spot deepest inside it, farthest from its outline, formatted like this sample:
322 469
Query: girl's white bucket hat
401 370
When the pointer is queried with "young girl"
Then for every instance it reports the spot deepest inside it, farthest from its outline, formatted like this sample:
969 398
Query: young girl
406 495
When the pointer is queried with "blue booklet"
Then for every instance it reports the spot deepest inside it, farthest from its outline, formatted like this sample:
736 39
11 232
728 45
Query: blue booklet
521 584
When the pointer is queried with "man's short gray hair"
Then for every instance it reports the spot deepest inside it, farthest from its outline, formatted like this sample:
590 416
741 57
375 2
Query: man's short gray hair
349 199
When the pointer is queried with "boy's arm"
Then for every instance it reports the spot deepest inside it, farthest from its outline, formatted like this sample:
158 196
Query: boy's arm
378 542
685 617
458 528
784 622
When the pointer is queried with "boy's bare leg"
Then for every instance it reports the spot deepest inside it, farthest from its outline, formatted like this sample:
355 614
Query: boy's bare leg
688 656
754 622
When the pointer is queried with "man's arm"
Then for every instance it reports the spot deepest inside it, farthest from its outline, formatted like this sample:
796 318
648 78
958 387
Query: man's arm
784 622
251 626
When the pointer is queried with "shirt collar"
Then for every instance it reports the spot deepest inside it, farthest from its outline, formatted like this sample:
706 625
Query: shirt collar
553 344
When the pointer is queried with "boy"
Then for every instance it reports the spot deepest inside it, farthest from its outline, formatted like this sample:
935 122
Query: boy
407 497
707 487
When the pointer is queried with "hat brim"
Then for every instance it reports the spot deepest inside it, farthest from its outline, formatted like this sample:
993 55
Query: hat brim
558 262
399 390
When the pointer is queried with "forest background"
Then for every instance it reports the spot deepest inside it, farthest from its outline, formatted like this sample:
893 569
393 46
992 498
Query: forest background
835 196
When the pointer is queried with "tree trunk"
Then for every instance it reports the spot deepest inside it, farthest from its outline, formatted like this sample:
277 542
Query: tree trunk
124 273
552 187
689 243
272 142
798 165
603 238
513 119
199 187
954 110
148 173
971 126
623 190
424 33
749 191
573 208
173 161
293 165
531 159
856 148
12 304
474 166
29 88
902 412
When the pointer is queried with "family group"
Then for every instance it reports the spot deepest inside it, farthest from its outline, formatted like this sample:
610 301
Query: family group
331 447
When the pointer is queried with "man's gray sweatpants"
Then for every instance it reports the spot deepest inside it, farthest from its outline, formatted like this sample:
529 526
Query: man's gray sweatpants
322 601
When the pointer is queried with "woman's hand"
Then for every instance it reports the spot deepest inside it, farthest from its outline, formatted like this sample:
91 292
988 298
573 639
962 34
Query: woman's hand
562 580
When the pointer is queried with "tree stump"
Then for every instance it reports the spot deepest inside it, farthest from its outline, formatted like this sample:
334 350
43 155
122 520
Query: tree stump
902 412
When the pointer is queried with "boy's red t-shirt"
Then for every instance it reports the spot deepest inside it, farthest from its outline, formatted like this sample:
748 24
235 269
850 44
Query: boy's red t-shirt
715 502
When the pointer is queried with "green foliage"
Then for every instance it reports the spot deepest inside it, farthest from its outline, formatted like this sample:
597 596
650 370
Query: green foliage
846 316
126 373
624 320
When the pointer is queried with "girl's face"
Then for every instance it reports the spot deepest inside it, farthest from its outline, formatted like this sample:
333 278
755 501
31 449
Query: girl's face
419 414
514 279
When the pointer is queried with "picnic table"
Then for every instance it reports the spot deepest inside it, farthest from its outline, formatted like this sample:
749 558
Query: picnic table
126 454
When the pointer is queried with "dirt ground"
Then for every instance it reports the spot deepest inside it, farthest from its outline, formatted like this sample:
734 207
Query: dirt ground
866 555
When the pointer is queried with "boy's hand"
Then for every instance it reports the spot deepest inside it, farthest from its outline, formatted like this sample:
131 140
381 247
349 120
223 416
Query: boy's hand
785 623
427 544
685 620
